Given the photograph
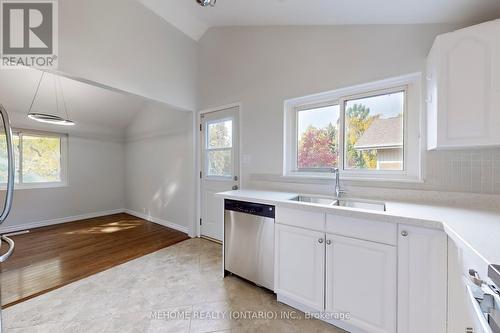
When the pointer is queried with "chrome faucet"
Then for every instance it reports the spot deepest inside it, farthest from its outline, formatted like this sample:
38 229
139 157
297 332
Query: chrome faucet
338 190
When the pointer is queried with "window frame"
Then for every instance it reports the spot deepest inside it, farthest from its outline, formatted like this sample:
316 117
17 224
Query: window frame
295 142
206 149
412 123
20 184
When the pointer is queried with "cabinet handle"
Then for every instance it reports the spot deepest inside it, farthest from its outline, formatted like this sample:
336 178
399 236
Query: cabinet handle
329 242
474 278
320 240
404 233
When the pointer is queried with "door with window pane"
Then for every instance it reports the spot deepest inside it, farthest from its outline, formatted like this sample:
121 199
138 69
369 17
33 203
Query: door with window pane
220 166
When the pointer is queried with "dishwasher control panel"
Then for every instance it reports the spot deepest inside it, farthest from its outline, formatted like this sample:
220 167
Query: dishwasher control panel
250 208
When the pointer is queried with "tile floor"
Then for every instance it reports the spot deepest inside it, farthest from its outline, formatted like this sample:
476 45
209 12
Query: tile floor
176 289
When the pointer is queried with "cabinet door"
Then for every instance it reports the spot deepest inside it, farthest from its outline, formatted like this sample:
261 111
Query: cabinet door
466 87
300 265
361 281
464 94
422 280
459 306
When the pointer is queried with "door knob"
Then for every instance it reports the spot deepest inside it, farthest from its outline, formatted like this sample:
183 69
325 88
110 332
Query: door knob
404 233
329 242
235 187
321 240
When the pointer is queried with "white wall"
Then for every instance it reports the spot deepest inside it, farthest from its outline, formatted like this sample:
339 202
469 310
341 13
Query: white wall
122 44
95 184
160 166
148 170
263 66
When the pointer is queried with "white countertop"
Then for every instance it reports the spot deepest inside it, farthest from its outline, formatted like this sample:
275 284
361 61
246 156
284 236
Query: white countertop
477 229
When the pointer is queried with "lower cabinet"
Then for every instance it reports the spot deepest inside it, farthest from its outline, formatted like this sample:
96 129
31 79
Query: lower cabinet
422 280
340 276
361 281
300 266
363 285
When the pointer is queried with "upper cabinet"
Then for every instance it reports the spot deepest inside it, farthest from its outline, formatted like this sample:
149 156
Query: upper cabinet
463 88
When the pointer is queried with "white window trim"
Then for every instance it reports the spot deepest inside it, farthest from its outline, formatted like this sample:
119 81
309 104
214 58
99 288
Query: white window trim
64 161
412 153
206 150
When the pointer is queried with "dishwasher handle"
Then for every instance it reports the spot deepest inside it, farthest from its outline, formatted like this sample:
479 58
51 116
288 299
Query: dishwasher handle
250 208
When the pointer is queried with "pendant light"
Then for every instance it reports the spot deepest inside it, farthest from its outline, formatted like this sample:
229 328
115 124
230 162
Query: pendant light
53 119
205 3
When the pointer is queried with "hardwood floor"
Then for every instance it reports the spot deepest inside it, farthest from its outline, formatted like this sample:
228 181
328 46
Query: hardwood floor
51 257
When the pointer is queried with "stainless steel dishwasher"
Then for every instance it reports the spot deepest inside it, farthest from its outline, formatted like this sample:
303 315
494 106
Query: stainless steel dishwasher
249 241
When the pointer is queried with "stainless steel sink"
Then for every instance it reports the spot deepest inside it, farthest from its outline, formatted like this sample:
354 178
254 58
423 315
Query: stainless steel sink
369 205
317 200
351 203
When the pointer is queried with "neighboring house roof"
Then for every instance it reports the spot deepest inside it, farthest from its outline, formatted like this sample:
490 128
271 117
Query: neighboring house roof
382 133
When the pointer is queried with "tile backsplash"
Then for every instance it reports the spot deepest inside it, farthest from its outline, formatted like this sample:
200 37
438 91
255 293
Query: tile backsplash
476 171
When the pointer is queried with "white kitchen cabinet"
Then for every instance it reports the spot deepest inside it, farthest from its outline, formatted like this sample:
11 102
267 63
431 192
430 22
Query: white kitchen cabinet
383 286
422 280
459 306
463 88
361 280
300 265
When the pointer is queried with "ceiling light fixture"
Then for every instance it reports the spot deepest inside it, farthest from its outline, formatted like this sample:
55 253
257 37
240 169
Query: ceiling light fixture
205 3
50 118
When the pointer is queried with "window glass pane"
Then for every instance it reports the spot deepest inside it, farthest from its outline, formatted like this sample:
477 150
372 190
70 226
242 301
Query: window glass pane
374 132
220 135
3 157
219 163
41 159
317 135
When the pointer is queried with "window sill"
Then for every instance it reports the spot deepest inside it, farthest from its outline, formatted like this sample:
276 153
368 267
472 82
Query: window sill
315 178
35 186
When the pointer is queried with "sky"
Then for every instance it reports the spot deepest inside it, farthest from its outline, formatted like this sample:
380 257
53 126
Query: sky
387 106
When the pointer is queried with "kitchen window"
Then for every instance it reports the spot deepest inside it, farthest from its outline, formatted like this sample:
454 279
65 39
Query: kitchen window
40 159
369 132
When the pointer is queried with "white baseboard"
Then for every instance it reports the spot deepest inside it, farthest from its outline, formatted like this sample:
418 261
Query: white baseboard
39 224
156 220
33 225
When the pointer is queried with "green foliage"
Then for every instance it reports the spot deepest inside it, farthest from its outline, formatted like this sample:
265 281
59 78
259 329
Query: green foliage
319 147
220 136
358 120
3 156
40 161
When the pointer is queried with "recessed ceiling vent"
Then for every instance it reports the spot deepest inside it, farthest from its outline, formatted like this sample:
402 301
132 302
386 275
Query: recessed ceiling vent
206 3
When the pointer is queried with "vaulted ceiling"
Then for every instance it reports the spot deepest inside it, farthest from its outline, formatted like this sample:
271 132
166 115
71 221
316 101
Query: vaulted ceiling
85 103
194 20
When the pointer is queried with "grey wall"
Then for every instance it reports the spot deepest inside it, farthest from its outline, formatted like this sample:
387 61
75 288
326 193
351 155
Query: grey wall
95 184
160 165
263 66
122 44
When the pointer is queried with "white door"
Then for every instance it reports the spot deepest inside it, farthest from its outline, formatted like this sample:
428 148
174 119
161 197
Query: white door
361 281
220 166
422 279
300 265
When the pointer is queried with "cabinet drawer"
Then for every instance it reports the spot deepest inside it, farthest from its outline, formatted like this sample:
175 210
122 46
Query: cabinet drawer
374 231
300 218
